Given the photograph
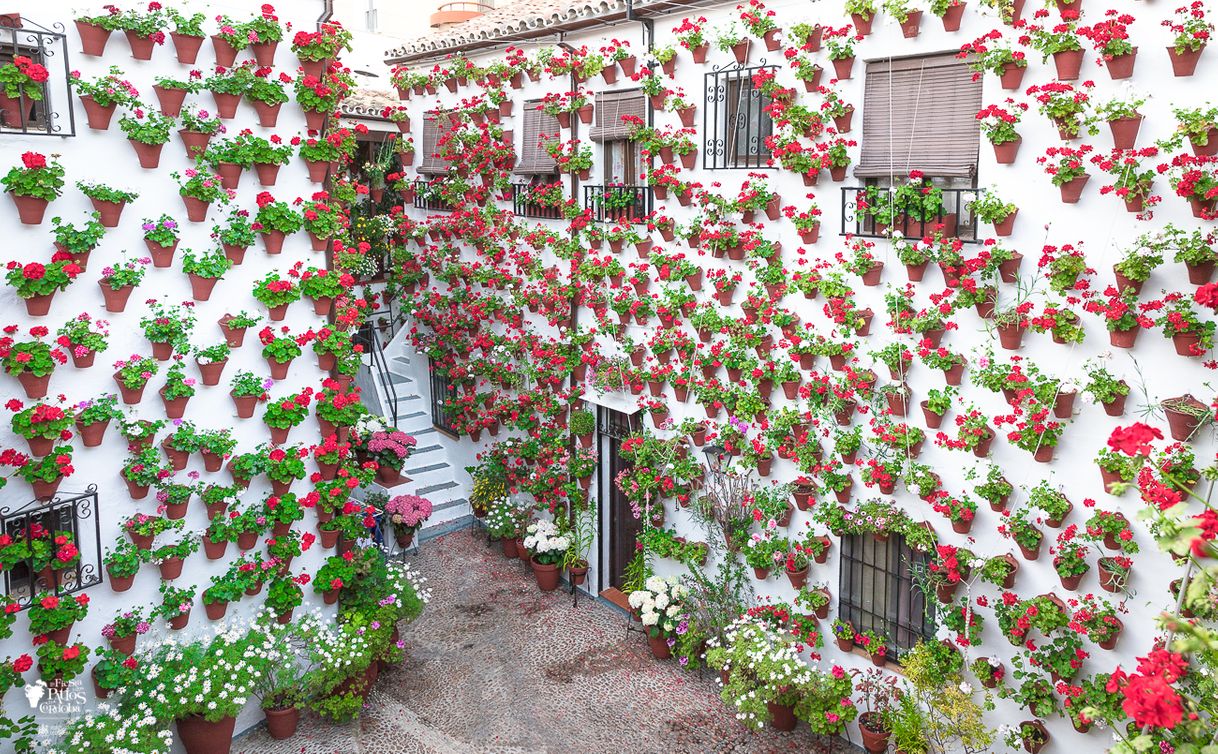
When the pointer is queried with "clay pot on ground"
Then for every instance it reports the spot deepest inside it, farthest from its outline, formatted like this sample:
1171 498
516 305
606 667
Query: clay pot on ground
875 738
659 647
546 575
198 736
281 723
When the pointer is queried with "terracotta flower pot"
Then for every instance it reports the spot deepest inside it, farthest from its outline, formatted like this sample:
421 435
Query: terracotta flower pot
1005 153
233 336
195 143
198 736
547 575
1012 76
171 100
211 373
98 117
214 551
279 371
1184 63
659 647
186 47
782 716
952 17
1072 190
268 115
201 287
875 738
264 53
281 723
267 172
93 38
1185 415
175 408
149 155
1068 64
226 104
273 240
1125 131
843 68
912 24
30 209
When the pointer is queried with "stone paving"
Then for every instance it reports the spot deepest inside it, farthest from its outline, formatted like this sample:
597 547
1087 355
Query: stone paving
495 665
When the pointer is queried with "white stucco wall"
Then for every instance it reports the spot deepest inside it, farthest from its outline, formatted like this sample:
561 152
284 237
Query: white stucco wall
1099 223
105 156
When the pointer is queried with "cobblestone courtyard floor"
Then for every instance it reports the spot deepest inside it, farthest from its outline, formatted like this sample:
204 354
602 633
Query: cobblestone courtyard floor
497 666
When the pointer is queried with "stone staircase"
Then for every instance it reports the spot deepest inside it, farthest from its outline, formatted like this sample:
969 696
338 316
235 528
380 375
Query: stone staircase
431 474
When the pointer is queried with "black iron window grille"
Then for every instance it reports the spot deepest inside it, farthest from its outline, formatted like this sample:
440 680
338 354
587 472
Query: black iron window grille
48 110
736 120
618 204
73 520
442 389
524 203
427 196
874 212
879 593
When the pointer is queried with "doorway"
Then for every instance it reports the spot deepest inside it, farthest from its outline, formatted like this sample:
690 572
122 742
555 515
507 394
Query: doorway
623 528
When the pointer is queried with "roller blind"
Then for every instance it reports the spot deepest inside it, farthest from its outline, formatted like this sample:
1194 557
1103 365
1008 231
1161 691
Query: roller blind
533 158
610 107
432 164
920 114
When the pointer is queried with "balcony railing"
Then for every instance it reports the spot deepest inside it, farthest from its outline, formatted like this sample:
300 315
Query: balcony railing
523 206
426 198
618 204
956 220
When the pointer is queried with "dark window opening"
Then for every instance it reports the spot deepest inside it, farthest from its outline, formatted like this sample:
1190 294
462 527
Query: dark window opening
878 591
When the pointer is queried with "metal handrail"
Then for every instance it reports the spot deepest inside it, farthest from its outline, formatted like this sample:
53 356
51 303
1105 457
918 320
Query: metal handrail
368 338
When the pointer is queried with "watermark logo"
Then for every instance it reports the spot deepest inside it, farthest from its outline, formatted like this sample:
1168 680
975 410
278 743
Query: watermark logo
54 705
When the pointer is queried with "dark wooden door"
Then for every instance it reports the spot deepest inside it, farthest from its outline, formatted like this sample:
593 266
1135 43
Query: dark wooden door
623 526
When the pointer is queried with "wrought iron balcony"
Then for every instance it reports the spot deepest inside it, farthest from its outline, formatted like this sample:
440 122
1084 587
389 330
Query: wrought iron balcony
524 206
427 197
956 220
618 204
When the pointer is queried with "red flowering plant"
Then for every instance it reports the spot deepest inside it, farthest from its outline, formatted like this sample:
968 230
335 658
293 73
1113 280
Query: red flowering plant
1031 426
37 279
34 356
37 177
1157 698
972 429
1195 179
281 348
998 121
1018 618
285 465
1179 320
839 43
960 510
1067 106
1120 310
1050 39
337 145
63 662
990 54
1191 29
1064 265
49 612
1128 180
42 420
1095 617
964 620
325 44
340 408
275 215
321 94
1065 164
23 78
1110 37
690 33
288 411
273 291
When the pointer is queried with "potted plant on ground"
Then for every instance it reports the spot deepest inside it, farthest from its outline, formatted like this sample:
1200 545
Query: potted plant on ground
652 604
878 694
407 513
546 546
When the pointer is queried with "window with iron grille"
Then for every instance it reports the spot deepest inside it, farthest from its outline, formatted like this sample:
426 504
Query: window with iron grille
878 592
49 112
67 558
442 389
736 120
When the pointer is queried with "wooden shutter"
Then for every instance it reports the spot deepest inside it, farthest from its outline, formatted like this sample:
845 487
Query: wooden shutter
920 114
610 107
534 160
432 164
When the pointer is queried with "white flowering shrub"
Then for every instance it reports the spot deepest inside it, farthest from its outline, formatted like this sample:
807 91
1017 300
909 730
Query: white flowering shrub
545 542
659 605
